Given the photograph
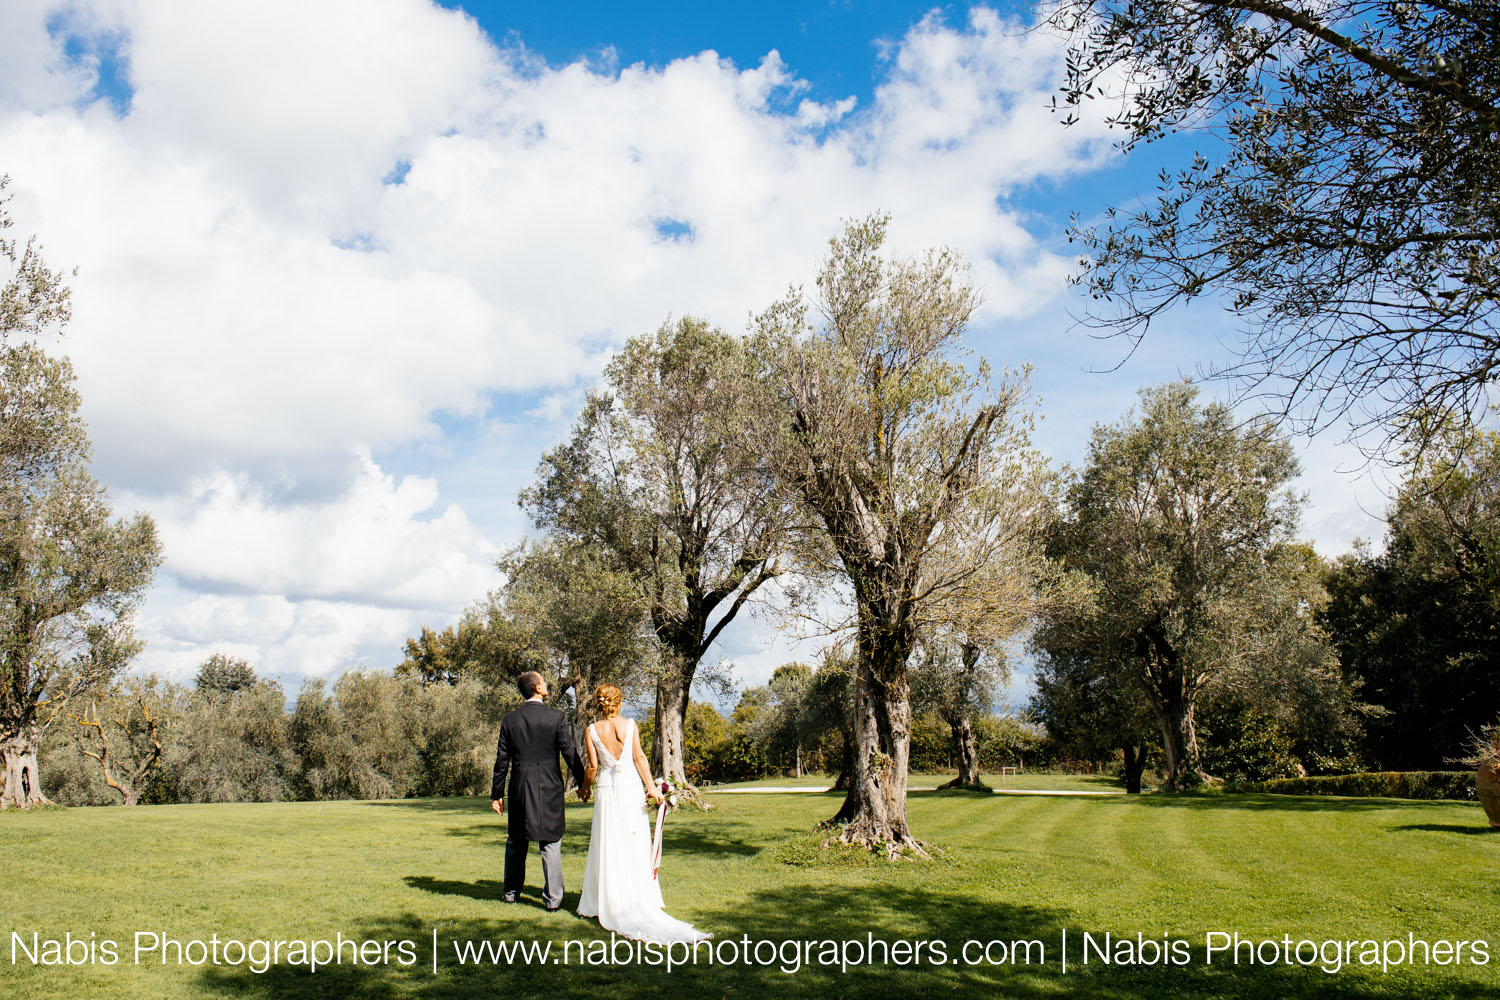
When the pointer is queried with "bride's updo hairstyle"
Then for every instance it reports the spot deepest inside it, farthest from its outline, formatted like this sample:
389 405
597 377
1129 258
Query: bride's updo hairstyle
607 699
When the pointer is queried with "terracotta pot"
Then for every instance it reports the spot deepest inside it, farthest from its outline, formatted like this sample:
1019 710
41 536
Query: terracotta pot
1488 783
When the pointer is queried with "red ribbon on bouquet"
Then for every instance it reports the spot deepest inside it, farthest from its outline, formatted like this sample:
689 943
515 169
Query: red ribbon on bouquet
661 821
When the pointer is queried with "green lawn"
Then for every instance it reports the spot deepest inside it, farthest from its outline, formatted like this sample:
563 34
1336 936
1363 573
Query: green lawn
1026 781
1010 868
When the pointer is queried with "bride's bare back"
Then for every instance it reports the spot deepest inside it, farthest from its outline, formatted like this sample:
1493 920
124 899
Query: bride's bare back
612 733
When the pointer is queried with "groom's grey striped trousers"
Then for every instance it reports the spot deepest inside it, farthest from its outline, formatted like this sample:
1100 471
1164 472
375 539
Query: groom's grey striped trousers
515 870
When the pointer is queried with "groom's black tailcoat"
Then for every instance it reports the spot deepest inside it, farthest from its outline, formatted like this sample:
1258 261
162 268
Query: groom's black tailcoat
531 738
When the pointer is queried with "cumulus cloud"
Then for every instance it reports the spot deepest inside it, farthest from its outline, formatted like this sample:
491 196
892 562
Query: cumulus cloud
251 264
312 584
283 639
318 232
371 545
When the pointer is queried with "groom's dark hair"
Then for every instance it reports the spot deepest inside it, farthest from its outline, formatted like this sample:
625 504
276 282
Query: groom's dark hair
528 683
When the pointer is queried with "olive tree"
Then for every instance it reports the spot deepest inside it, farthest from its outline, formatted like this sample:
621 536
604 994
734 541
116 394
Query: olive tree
916 467
569 613
71 575
1089 704
34 299
958 678
1344 206
1179 519
223 674
649 479
128 737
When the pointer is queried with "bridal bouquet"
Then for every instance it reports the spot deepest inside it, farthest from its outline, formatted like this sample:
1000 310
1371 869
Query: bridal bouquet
669 792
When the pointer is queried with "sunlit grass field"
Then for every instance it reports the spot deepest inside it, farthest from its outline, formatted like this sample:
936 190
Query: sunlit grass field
1006 868
1024 781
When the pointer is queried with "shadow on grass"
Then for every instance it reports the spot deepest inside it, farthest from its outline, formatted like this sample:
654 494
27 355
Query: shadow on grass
710 843
489 890
814 795
485 888
722 839
480 831
803 928
1449 828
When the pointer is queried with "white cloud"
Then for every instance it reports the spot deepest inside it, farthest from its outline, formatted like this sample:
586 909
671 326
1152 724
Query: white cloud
35 72
323 230
1346 496
309 586
371 545
208 223
283 639
305 105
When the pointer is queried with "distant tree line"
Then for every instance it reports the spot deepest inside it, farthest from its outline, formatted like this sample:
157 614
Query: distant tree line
1208 646
1418 623
798 724
231 737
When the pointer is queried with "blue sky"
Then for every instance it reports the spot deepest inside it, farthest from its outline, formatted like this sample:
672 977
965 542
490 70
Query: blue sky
835 41
346 269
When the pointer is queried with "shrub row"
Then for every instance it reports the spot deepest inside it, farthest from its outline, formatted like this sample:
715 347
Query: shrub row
1376 784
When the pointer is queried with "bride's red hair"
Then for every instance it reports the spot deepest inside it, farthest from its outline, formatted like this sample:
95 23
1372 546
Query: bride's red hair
607 698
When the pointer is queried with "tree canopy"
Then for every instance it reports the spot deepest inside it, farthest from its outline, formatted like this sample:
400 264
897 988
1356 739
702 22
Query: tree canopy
1346 209
916 468
71 575
651 480
1180 520
568 611
224 674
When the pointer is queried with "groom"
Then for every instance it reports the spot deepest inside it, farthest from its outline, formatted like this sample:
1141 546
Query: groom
531 738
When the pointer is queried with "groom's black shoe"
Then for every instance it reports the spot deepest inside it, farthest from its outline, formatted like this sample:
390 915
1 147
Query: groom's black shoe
553 909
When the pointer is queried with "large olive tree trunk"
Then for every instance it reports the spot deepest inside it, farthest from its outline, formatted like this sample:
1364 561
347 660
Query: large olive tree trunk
874 810
966 748
673 690
1180 741
20 781
671 726
846 766
1171 690
685 636
1135 763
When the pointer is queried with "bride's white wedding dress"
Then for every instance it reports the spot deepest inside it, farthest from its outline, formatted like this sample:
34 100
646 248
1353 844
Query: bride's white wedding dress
617 883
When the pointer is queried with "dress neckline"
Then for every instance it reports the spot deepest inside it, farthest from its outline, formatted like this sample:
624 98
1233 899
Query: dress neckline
599 739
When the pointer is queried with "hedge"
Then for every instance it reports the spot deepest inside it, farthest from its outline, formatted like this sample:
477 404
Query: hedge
1376 784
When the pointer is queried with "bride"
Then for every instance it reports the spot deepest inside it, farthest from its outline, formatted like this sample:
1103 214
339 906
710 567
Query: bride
618 886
